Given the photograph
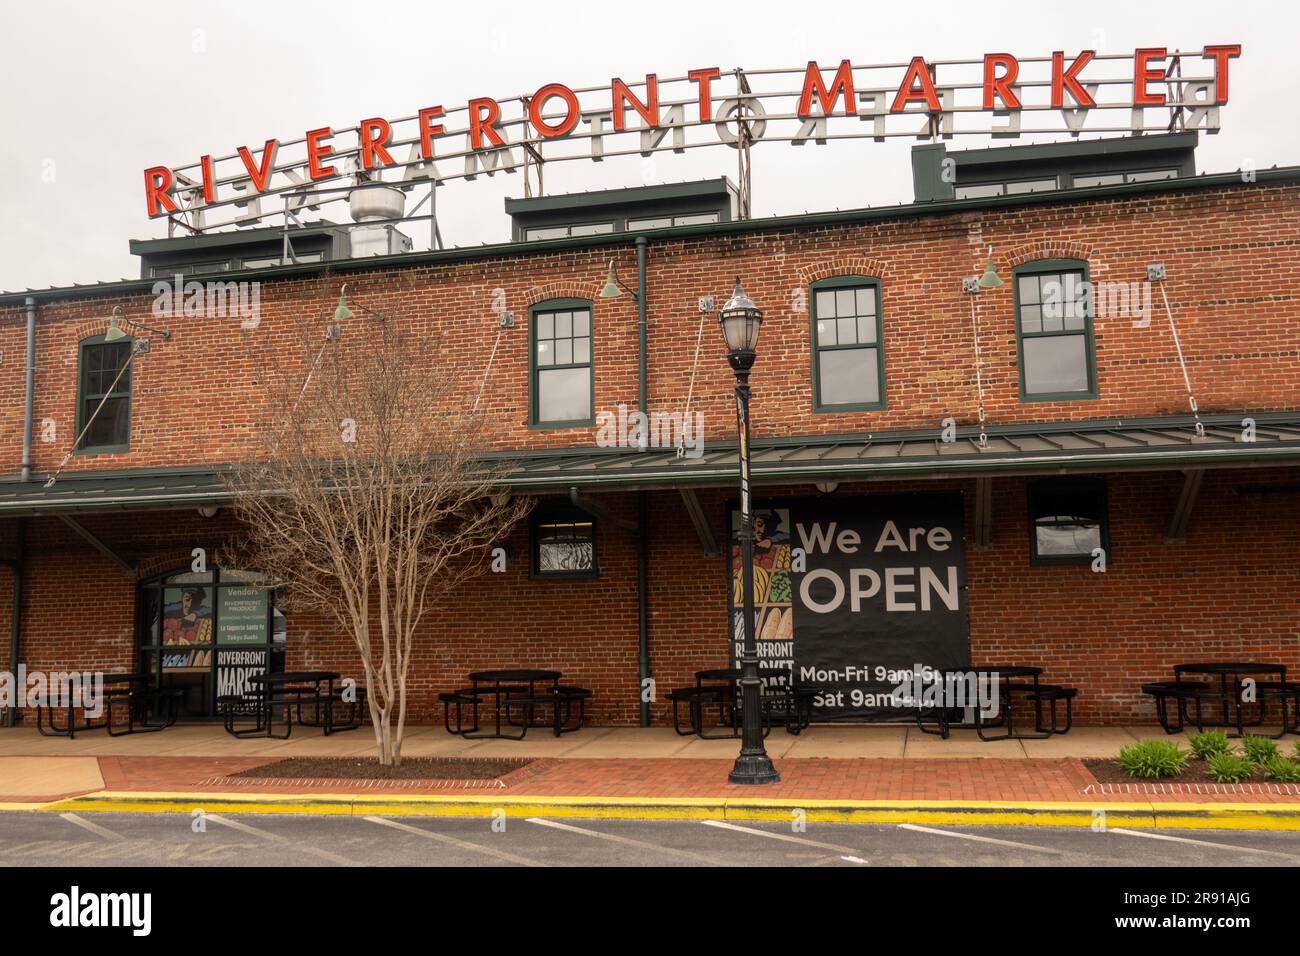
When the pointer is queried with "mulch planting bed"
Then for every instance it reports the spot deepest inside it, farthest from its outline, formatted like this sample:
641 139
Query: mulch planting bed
368 768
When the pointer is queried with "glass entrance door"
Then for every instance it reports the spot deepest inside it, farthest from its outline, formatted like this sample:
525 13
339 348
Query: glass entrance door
205 634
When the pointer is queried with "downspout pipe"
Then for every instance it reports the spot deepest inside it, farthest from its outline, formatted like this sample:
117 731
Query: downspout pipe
16 622
16 566
642 539
29 401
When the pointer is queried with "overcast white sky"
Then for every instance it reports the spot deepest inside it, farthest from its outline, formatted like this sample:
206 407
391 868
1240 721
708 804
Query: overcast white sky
95 92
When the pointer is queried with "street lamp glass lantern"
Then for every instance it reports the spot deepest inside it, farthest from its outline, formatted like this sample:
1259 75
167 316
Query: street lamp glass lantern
740 320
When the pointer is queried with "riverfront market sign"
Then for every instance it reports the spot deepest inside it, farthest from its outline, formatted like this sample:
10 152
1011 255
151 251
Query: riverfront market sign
1151 89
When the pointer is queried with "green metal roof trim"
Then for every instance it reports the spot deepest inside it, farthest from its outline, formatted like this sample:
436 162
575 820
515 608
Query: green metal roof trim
1153 444
1103 445
735 227
116 491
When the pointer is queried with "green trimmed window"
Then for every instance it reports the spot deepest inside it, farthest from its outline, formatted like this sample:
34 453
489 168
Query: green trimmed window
563 544
1067 520
1054 330
848 357
562 376
103 376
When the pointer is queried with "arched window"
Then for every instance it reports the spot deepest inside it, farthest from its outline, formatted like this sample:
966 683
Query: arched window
207 632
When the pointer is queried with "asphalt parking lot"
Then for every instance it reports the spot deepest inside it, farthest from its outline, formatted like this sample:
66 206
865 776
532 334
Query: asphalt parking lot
128 839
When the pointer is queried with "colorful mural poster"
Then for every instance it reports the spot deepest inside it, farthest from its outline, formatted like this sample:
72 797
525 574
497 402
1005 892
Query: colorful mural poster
187 615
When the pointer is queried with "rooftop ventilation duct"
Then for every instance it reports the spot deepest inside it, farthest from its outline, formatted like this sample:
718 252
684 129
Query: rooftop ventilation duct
374 203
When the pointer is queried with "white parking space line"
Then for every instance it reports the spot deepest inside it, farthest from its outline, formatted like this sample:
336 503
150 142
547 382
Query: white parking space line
452 841
626 841
1217 846
979 839
92 827
276 838
848 853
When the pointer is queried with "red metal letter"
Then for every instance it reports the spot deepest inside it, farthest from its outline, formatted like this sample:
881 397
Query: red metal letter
1063 79
565 126
429 130
258 175
374 135
209 180
157 180
483 112
1144 74
917 72
316 151
1000 86
1221 55
704 77
841 85
622 97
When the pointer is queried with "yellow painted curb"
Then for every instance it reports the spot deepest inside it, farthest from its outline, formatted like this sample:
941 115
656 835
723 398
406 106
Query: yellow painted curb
950 812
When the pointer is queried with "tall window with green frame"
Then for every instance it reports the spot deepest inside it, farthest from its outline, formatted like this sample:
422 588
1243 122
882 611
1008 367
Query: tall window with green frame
848 358
562 374
1054 330
104 378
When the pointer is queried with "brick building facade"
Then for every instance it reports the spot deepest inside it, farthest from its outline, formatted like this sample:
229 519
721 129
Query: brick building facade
1202 533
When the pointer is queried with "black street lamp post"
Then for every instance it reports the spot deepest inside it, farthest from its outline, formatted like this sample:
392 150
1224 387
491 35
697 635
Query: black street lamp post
740 320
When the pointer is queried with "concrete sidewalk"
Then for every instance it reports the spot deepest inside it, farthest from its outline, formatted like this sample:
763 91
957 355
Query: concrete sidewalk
842 741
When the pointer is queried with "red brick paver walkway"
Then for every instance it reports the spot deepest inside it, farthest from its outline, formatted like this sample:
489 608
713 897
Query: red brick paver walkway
990 779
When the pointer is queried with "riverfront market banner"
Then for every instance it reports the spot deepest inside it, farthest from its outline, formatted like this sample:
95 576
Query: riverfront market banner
853 593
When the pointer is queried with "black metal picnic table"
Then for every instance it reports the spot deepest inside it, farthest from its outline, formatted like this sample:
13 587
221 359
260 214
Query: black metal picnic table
717 686
508 682
131 688
290 691
1233 673
1005 675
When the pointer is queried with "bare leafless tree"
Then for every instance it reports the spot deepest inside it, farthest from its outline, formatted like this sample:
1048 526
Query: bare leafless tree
370 499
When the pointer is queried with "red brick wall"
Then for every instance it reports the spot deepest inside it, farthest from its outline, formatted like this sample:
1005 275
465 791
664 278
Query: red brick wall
1230 252
1232 591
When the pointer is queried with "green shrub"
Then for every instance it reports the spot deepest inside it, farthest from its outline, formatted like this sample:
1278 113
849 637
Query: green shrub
1297 750
1151 759
1230 768
1259 749
1209 744
1281 770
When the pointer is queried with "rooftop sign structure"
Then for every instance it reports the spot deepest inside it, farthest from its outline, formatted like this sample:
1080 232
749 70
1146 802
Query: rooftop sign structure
1152 89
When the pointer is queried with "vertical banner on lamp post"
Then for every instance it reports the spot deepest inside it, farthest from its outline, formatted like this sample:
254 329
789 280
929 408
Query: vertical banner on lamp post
854 593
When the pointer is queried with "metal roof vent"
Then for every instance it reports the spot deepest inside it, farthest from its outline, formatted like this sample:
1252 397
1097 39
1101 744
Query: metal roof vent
375 202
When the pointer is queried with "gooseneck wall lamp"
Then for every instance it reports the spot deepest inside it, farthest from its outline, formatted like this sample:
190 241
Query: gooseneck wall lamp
614 286
115 332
